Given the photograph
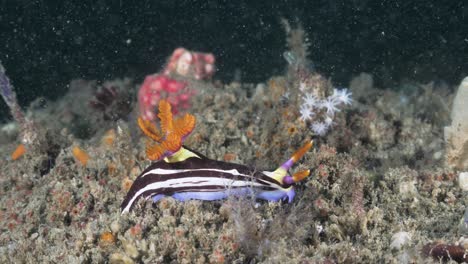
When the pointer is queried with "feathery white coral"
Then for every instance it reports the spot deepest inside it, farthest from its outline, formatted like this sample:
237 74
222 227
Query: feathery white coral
330 105
306 113
328 121
320 112
319 128
310 100
342 96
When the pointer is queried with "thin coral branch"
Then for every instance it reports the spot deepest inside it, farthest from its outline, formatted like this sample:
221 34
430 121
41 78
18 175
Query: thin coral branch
28 130
9 96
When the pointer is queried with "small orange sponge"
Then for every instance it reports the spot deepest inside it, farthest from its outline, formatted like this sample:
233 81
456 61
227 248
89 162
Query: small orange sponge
80 155
106 239
19 151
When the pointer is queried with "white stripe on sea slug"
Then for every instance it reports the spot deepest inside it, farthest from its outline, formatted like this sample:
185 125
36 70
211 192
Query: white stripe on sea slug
233 172
205 181
169 171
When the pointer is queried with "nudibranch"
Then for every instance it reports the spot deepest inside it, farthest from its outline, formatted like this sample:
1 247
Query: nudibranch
185 174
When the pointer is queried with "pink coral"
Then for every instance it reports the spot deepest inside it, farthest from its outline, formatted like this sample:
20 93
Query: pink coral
183 64
191 64
157 87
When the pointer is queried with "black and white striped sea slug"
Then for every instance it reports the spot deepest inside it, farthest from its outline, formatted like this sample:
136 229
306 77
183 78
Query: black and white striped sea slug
185 174
196 177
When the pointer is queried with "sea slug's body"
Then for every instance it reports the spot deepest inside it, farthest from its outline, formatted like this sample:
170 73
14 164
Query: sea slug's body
204 179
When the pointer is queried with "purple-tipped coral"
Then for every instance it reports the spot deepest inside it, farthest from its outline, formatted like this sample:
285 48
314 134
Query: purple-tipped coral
9 96
28 134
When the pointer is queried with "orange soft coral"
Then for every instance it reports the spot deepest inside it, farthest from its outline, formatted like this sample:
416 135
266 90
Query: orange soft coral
169 138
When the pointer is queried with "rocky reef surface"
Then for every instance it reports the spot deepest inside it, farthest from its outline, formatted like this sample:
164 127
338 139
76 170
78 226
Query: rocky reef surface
380 189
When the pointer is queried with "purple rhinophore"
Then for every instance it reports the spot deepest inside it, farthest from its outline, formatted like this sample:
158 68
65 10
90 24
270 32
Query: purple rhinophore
288 180
288 164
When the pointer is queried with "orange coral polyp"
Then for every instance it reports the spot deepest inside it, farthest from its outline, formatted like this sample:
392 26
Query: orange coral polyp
172 143
165 115
185 125
149 129
169 140
154 151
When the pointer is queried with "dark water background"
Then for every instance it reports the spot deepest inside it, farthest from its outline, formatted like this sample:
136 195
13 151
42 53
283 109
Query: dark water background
45 44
